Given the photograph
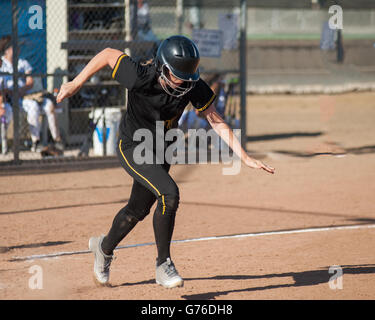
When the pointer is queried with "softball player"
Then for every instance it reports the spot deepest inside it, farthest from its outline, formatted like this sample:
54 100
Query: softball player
157 91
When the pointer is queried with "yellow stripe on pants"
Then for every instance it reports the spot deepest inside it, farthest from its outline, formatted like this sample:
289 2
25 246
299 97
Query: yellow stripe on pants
127 162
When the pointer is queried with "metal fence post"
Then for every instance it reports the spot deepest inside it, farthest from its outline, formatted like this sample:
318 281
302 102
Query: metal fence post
179 15
15 96
243 71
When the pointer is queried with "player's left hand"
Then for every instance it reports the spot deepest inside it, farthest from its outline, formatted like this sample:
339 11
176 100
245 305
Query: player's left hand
256 164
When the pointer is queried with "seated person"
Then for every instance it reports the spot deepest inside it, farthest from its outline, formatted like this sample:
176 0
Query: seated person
29 106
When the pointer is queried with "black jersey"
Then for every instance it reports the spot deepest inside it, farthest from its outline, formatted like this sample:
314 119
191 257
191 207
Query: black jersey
148 102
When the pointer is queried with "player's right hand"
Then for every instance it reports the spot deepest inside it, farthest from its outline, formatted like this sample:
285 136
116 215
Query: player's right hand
67 90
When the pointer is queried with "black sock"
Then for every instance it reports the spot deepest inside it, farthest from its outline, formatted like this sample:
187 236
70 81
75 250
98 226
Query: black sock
163 230
122 224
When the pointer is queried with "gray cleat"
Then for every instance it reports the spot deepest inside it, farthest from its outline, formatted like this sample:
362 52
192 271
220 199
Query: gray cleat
102 261
167 275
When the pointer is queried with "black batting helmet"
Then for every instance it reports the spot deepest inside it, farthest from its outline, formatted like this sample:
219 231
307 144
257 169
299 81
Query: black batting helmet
179 56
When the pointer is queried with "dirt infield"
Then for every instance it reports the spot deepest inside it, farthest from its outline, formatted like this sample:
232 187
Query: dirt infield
294 225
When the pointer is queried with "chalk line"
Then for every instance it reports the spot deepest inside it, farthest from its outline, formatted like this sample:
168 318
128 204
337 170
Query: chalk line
235 236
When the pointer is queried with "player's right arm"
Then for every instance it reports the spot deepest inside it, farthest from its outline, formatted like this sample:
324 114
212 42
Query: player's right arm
107 57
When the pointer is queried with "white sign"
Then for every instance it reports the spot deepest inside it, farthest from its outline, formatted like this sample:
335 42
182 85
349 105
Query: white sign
228 24
209 42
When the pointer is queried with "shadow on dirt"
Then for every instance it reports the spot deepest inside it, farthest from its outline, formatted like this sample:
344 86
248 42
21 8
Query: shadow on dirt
301 279
288 135
363 220
124 201
34 245
64 189
356 151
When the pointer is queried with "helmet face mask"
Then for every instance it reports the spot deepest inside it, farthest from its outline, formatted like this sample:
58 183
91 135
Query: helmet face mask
177 58
173 89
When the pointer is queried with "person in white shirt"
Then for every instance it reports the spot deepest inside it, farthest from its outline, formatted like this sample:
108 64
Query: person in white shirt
29 106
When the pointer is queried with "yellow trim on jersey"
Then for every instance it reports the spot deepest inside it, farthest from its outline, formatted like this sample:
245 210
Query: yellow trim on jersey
162 199
159 194
117 65
207 104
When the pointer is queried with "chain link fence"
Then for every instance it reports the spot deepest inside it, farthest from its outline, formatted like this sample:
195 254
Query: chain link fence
53 40
56 39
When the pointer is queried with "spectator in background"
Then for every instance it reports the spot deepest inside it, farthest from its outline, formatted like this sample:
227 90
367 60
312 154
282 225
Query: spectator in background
194 17
327 39
143 15
142 30
145 32
191 119
29 106
5 108
331 40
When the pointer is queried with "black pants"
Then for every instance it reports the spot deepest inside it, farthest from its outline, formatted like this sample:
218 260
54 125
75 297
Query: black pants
152 182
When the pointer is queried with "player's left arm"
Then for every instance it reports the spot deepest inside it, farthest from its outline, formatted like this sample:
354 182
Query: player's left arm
226 133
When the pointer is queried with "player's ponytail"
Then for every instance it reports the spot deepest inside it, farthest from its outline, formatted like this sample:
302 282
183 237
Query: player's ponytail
147 62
